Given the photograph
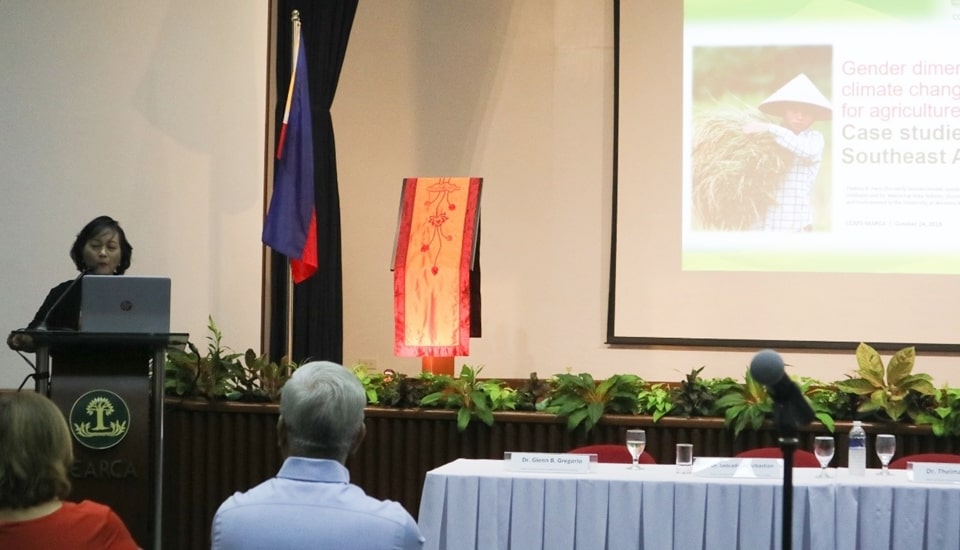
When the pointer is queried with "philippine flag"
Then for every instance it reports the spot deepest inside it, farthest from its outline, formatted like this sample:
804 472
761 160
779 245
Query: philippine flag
290 227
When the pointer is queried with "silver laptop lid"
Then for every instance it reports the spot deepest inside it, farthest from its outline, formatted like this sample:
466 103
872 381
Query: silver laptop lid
125 304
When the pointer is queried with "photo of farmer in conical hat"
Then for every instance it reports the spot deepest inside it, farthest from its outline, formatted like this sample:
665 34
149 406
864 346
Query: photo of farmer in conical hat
759 161
798 104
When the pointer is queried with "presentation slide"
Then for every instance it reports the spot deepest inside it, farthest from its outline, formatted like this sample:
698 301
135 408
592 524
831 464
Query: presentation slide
787 173
822 136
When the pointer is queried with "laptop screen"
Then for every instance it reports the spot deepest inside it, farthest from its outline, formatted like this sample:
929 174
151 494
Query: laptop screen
125 304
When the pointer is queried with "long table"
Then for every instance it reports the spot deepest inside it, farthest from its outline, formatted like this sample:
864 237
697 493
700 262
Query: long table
480 504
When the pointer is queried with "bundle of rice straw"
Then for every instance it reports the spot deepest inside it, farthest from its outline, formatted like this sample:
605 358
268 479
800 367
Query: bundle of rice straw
735 175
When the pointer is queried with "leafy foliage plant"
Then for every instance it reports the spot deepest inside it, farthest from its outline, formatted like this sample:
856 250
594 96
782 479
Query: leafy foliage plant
220 375
943 416
655 400
888 393
583 401
471 396
888 390
532 392
693 396
745 406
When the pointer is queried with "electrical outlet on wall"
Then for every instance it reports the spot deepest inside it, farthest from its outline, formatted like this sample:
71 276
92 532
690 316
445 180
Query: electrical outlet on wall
369 362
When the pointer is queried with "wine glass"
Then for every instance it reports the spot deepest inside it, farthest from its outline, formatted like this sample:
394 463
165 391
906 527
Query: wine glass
823 448
636 441
886 446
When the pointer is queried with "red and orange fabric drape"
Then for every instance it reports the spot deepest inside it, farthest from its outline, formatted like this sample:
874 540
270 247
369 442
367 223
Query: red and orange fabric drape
432 262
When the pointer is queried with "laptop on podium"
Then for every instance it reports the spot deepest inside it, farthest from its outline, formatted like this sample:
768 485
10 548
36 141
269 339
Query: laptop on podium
125 304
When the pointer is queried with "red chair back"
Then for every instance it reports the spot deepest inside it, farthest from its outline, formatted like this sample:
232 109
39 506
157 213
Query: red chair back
801 458
616 454
901 463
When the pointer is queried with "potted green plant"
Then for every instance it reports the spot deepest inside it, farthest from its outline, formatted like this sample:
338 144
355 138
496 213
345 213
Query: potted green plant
893 391
745 406
471 396
655 400
393 389
213 375
221 375
943 416
694 396
582 400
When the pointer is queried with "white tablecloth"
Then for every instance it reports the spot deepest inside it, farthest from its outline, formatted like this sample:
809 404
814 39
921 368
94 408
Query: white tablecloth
479 504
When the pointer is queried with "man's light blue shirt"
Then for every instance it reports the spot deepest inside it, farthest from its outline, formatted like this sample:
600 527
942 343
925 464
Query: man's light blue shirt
312 504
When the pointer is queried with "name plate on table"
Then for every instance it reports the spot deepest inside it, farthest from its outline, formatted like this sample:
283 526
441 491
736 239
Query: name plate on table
934 471
738 467
549 462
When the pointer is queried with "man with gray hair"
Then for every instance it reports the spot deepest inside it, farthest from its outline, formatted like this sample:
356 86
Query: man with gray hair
311 502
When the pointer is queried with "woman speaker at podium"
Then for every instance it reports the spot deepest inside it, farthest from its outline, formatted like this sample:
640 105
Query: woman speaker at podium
101 248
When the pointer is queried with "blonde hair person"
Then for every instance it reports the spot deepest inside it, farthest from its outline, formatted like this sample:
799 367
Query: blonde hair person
36 452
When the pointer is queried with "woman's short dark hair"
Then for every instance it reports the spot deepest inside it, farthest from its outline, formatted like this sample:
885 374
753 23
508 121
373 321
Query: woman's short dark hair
36 450
91 230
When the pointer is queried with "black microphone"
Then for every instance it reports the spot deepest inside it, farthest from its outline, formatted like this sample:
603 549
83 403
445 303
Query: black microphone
43 323
767 368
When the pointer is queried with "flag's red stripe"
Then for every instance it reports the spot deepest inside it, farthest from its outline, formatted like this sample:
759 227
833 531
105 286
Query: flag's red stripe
304 267
283 139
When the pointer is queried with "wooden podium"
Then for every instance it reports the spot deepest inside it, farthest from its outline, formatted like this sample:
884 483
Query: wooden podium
109 387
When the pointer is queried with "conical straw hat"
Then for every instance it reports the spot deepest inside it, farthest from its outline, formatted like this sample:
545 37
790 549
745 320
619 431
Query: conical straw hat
798 90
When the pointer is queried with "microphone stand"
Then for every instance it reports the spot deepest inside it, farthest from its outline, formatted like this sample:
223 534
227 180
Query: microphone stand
41 374
43 322
788 444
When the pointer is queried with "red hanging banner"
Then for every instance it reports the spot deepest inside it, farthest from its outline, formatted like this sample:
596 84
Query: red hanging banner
432 262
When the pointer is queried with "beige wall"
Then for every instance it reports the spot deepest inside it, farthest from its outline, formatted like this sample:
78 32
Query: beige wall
113 111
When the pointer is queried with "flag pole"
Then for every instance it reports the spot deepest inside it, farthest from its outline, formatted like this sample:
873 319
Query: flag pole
294 52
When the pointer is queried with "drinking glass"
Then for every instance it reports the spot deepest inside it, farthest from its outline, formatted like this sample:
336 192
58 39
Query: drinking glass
636 441
886 446
823 448
684 457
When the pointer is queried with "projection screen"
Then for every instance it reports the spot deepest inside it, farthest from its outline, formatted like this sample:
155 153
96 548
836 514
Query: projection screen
786 174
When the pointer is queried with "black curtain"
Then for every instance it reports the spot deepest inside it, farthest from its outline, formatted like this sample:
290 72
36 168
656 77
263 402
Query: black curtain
476 330
318 301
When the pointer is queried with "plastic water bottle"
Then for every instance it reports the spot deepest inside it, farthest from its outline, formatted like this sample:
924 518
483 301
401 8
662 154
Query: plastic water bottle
857 452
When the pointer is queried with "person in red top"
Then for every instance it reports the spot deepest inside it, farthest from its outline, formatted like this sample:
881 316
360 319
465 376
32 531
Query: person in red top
36 452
